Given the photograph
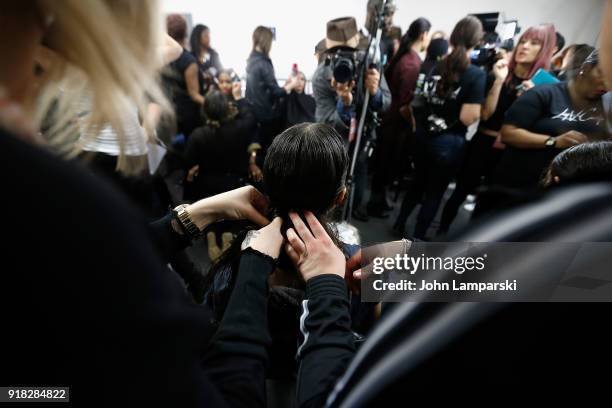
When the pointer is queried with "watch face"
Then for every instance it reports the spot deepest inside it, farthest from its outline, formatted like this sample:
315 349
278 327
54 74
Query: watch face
550 142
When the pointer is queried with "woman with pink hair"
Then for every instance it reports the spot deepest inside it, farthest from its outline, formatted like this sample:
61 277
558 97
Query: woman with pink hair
506 81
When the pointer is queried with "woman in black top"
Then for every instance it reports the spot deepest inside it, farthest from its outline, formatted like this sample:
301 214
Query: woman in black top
533 52
218 150
542 122
450 100
209 64
182 82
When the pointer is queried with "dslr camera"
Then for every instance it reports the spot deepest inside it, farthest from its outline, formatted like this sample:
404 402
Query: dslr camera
344 62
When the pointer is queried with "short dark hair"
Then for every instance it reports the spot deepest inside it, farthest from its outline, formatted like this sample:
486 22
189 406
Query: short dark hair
176 25
305 168
560 41
586 162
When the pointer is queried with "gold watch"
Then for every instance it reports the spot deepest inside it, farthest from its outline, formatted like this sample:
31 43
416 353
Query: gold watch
184 219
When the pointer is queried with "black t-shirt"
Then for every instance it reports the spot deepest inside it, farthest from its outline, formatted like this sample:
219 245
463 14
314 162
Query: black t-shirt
507 96
547 110
176 89
470 89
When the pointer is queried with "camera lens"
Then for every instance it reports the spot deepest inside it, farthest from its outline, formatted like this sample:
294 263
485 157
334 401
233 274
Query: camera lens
343 70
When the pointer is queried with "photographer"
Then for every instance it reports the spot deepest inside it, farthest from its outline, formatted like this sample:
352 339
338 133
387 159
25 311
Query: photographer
336 98
450 99
505 81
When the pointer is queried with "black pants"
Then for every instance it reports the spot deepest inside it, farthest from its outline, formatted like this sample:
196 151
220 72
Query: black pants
480 162
438 159
394 150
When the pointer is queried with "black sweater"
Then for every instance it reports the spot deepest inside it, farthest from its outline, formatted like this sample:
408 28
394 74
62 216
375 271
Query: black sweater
87 303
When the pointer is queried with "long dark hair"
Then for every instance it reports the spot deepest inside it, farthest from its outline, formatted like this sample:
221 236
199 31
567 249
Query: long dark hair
195 40
305 169
466 34
417 27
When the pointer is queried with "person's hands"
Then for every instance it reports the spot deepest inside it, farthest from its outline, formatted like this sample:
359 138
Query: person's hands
569 139
353 273
290 83
255 172
242 203
193 173
311 250
237 91
344 91
525 86
500 70
268 240
372 80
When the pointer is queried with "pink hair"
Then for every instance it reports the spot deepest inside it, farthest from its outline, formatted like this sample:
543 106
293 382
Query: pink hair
547 36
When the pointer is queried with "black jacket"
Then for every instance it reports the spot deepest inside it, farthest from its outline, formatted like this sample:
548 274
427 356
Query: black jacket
262 90
87 303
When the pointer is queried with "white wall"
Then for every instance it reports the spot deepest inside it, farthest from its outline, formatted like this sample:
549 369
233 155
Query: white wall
300 24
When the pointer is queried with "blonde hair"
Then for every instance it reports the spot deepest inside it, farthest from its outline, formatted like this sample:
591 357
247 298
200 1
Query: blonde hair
108 51
262 38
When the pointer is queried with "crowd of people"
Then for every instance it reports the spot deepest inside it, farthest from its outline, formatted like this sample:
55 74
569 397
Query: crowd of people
265 169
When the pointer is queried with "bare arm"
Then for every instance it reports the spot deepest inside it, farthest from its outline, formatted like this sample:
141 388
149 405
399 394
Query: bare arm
170 50
522 138
470 113
492 99
193 84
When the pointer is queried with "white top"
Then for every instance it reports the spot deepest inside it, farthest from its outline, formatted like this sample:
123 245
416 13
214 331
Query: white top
106 141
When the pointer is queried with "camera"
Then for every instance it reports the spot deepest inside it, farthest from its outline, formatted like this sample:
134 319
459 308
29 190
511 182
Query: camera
436 124
344 64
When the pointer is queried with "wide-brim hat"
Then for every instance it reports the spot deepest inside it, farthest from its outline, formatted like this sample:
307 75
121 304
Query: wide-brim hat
342 32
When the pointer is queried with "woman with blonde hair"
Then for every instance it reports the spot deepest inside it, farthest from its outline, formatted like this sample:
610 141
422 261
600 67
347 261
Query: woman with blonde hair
88 301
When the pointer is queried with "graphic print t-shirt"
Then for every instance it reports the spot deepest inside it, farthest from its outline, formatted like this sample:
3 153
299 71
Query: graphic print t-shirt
547 110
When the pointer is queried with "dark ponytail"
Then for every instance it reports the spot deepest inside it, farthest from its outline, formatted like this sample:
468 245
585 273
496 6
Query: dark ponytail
417 27
466 34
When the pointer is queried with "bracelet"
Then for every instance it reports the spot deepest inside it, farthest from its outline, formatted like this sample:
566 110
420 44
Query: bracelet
184 220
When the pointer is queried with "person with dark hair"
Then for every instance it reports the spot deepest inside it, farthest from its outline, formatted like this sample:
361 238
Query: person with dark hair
584 163
209 63
305 170
398 123
541 123
505 81
218 150
450 98
181 80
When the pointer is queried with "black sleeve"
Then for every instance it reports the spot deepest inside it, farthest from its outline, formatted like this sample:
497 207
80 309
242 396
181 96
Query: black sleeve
475 86
526 110
328 344
268 80
236 359
192 150
245 120
166 240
